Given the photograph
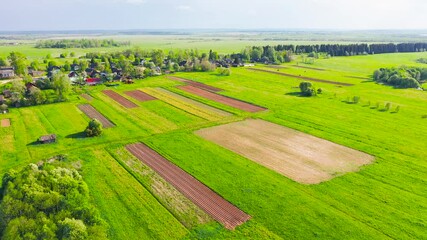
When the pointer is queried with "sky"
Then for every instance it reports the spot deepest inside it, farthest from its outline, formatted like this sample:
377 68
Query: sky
32 15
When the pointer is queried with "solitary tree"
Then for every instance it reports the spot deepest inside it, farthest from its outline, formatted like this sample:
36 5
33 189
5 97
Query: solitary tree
94 128
62 85
307 89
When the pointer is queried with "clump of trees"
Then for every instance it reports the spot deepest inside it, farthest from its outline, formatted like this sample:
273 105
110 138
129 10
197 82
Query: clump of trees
80 43
94 128
224 71
308 89
48 202
402 77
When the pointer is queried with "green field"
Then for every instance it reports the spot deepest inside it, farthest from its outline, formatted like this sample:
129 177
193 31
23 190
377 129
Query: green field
385 200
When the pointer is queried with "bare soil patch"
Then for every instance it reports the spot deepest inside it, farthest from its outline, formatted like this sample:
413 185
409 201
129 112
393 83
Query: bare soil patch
303 78
213 204
311 68
196 84
361 78
140 96
5 122
91 112
296 155
87 97
223 99
120 99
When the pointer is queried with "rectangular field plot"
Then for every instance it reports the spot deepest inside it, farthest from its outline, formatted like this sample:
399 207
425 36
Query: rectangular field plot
120 99
5 123
140 96
217 207
87 96
91 112
301 77
188 105
196 84
223 99
299 156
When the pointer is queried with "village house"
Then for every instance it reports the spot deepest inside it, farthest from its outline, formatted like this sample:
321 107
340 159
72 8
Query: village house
7 72
93 81
47 139
35 73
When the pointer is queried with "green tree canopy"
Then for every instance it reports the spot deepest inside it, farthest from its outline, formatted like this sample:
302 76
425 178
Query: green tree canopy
94 128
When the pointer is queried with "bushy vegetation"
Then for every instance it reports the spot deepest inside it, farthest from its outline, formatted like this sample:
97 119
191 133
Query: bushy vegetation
94 128
307 89
80 43
422 60
48 202
402 77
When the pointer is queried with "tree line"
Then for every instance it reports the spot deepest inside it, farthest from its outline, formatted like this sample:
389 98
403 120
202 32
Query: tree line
80 43
402 77
48 201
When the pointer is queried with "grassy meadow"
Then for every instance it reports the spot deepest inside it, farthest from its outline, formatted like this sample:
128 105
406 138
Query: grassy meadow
385 200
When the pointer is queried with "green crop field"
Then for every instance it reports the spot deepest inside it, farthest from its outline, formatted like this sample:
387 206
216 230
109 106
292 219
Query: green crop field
384 200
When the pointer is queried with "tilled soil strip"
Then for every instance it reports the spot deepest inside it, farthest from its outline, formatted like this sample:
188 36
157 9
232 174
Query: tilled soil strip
300 77
140 96
223 99
276 67
196 84
311 68
87 97
5 123
120 99
91 112
216 206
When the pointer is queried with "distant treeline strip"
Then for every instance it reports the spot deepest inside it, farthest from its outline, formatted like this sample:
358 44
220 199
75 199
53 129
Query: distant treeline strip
80 43
354 49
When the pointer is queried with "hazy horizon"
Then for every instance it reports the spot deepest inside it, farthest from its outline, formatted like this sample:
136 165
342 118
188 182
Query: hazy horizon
149 15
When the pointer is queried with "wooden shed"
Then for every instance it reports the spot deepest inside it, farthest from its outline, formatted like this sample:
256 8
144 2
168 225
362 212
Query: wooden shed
47 139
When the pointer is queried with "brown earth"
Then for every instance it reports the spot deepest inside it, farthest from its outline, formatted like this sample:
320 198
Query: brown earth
5 123
311 68
296 155
223 99
87 97
361 78
140 96
120 99
213 204
300 77
91 112
196 84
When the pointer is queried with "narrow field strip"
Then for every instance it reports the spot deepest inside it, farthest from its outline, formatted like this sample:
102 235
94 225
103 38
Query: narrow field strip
276 67
120 99
304 78
5 123
217 207
196 84
87 96
140 96
311 68
188 105
223 99
91 112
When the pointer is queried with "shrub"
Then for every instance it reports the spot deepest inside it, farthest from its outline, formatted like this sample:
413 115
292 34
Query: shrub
224 71
397 109
94 128
356 99
319 91
307 89
387 107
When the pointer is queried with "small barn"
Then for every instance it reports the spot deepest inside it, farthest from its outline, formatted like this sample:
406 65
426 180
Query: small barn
7 72
51 138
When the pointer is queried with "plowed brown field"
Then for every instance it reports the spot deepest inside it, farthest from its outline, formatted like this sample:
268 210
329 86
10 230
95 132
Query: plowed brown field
216 206
87 97
196 84
140 96
91 112
223 99
299 156
5 122
120 99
